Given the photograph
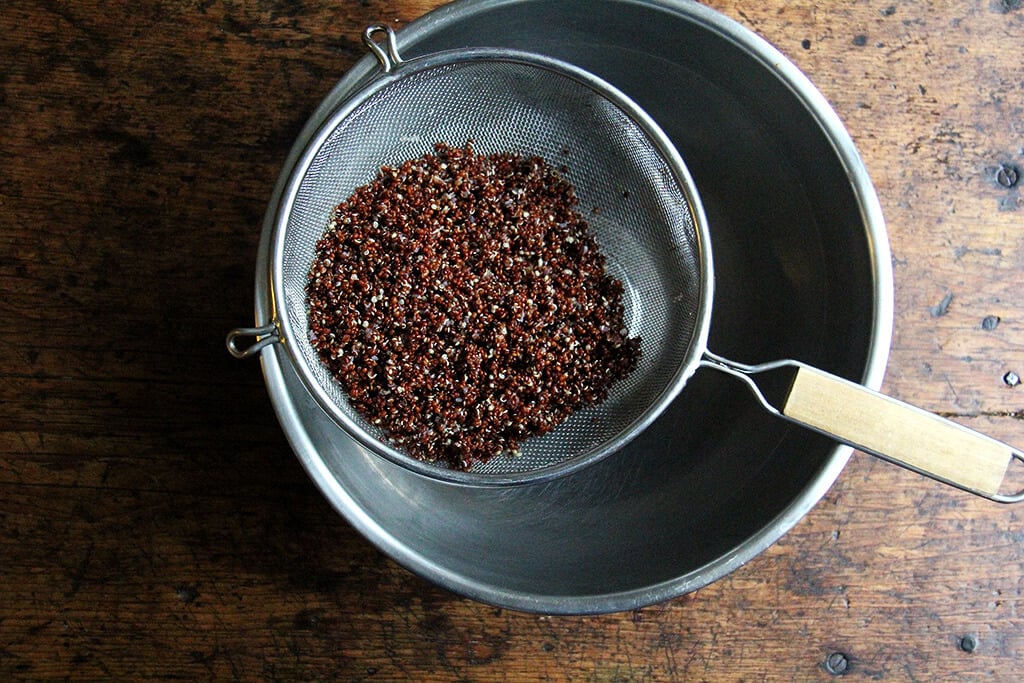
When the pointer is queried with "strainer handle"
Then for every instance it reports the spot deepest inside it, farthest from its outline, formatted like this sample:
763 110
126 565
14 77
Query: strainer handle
906 435
888 428
388 57
260 336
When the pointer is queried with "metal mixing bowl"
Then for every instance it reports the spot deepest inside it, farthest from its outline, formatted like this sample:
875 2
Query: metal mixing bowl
802 270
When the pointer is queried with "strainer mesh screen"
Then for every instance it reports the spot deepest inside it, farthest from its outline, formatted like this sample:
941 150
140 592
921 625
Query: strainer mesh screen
636 208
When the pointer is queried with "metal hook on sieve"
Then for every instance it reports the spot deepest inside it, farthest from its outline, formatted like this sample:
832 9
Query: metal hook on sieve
388 58
262 336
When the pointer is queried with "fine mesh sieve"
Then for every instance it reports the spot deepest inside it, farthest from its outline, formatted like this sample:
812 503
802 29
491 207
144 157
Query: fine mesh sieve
655 243
632 186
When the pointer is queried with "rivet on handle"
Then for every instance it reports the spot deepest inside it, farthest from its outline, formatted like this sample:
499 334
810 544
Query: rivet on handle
261 336
388 58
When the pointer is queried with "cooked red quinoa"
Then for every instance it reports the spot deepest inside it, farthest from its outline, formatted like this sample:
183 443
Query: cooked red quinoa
463 304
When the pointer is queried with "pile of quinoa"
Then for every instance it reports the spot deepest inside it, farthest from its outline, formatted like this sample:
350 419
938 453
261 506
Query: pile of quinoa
463 305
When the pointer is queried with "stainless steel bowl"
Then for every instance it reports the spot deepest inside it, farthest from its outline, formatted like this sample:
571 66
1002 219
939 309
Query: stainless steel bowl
803 270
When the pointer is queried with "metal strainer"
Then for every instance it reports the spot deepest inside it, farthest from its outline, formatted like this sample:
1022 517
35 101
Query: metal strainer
623 168
656 244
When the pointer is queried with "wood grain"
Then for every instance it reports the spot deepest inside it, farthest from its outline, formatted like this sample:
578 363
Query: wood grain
153 521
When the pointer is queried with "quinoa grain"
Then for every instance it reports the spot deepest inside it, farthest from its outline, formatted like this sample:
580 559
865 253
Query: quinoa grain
463 305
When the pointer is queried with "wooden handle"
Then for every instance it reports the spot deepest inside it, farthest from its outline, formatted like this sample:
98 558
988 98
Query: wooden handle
897 431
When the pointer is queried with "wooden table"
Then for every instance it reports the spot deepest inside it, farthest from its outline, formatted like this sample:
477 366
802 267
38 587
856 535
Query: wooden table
153 522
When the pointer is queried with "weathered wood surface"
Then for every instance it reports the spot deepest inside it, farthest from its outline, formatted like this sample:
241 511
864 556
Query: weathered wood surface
153 522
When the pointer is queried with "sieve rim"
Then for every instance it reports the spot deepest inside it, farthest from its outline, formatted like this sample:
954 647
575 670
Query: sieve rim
400 69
